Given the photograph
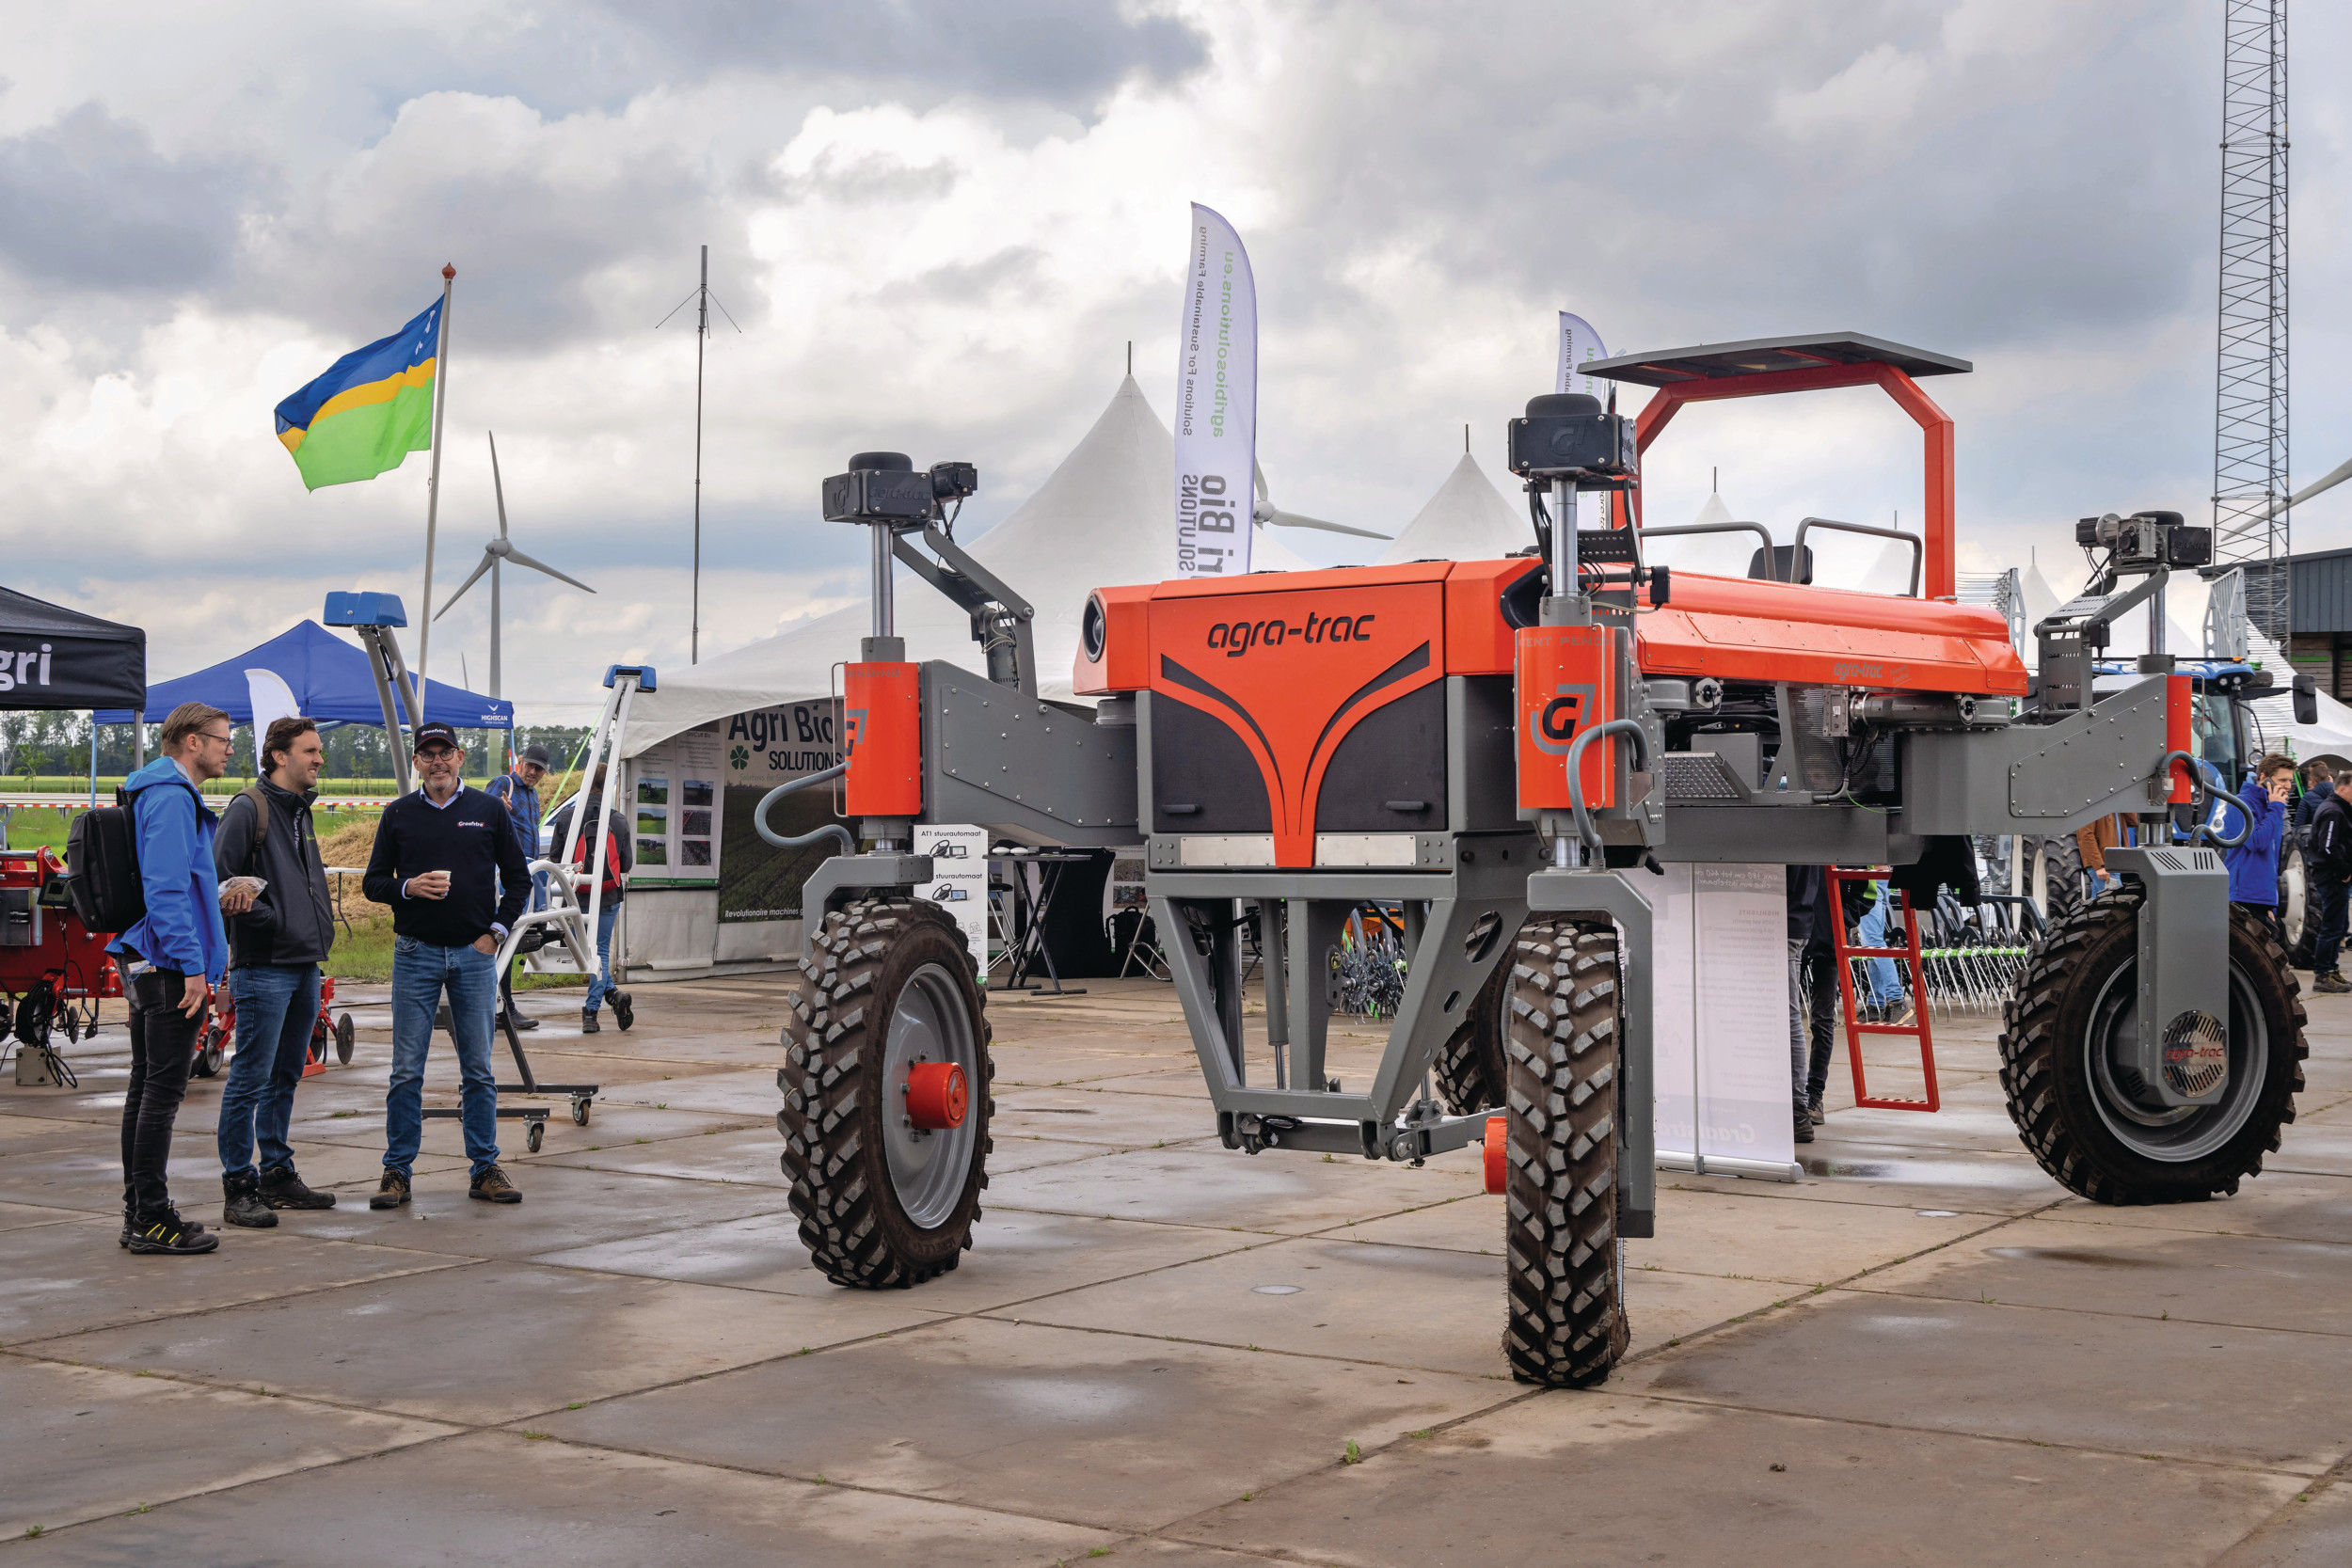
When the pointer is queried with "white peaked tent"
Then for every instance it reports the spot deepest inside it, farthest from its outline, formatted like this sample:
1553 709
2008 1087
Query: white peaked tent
1466 520
1104 516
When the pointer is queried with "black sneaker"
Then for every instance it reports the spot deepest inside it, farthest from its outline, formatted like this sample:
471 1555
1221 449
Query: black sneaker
163 1232
623 1010
520 1022
282 1188
491 1186
392 1192
2333 983
1804 1128
124 1241
588 1024
1814 1112
244 1205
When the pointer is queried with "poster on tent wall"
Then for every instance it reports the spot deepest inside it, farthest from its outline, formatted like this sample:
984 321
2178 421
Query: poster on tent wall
1720 1031
758 750
1578 343
1217 402
676 787
959 882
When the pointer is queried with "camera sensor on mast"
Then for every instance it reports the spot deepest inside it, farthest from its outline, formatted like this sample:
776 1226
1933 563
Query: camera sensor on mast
884 487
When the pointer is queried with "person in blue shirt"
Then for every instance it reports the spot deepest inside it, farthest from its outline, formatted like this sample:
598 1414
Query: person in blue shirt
170 959
2262 805
518 790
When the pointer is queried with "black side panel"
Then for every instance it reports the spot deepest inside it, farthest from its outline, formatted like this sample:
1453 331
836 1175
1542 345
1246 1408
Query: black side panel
1486 765
1198 762
1388 775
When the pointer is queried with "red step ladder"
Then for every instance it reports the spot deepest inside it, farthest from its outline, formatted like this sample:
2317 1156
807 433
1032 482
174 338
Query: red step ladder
1855 1028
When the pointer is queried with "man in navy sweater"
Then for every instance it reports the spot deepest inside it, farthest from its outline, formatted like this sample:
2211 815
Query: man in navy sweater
447 861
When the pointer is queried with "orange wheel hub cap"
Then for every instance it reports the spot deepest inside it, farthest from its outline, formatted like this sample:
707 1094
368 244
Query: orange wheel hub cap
937 1096
1497 1147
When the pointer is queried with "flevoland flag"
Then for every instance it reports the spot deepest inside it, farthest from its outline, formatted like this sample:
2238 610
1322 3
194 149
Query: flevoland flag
372 408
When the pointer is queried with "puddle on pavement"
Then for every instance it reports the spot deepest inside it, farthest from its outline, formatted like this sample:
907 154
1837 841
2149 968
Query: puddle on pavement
2084 1256
1925 1173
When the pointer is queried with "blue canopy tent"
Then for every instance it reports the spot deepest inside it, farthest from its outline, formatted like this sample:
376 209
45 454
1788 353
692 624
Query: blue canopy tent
330 678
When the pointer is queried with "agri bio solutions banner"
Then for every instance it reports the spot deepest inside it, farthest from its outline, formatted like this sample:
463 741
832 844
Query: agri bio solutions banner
1217 402
758 750
1579 343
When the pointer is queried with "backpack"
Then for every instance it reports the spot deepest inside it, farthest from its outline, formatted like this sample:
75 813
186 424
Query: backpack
611 879
102 868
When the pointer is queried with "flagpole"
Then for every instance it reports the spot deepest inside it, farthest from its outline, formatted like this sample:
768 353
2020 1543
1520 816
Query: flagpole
432 495
702 331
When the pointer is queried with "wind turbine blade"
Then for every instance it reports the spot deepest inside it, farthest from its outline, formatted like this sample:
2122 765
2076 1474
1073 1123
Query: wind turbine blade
1257 473
2335 476
451 603
521 560
496 484
1291 519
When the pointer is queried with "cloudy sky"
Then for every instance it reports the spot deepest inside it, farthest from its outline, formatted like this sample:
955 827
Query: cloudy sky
939 226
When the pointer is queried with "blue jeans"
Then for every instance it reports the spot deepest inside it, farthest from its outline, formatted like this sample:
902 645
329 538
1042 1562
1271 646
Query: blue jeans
1885 981
600 983
278 1007
422 971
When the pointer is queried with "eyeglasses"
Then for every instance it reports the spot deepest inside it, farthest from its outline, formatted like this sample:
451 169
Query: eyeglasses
207 734
438 752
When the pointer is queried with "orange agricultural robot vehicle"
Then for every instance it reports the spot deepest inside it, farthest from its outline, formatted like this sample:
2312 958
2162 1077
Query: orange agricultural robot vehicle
1503 752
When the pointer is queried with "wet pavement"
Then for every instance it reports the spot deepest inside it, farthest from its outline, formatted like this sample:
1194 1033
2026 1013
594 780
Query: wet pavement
1159 1350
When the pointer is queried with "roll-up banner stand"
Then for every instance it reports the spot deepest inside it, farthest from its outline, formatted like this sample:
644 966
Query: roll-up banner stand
1720 1039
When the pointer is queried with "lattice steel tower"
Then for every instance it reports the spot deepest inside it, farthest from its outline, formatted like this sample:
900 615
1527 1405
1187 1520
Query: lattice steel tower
2250 444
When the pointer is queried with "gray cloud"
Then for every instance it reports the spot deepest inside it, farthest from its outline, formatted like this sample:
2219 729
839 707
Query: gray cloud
89 202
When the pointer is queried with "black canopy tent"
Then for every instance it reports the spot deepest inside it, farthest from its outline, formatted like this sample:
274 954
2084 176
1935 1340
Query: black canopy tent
56 658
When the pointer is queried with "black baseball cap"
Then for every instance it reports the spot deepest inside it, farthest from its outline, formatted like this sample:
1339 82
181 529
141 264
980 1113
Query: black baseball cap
427 734
535 753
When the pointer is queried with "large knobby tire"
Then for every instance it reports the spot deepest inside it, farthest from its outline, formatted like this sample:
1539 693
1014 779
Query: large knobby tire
2082 1108
1469 1067
2056 878
883 1203
1566 1296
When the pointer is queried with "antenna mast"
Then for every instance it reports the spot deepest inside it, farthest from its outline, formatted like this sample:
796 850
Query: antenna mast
2250 446
702 299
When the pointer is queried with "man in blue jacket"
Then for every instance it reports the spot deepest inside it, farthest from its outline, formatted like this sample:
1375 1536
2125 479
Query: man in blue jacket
2254 862
170 959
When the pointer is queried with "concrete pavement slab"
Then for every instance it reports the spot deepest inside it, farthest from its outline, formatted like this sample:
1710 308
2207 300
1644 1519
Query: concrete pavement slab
1597 1478
44 1134
1105 1429
2311 1530
72 1278
502 1498
2178 1389
85 1443
718 1152
1217 1186
560 1208
2246 1281
19 1216
1015 1256
488 1342
2288 1204
1085 1115
1899 1177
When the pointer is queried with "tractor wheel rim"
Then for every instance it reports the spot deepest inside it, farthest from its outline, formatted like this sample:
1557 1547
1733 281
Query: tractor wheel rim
2173 1133
928 1168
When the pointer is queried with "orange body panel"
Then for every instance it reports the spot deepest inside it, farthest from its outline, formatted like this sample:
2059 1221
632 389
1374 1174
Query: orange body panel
1126 662
2179 733
1564 686
1477 640
882 729
1740 629
1292 661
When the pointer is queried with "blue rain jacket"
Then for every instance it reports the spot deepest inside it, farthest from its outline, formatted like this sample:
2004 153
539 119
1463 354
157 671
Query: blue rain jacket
2254 864
183 929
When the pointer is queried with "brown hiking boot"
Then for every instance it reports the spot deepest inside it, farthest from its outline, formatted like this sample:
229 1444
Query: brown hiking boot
392 1192
491 1186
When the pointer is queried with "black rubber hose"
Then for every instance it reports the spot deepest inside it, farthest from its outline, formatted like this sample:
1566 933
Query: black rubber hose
831 829
1584 828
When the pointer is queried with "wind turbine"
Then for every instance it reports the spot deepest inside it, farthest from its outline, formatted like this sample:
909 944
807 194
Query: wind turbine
1266 512
496 550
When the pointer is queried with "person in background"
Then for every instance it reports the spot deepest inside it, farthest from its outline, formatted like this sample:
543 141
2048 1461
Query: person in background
2328 866
2319 781
1813 918
518 790
1887 1002
2260 807
447 863
170 959
277 941
2093 840
620 860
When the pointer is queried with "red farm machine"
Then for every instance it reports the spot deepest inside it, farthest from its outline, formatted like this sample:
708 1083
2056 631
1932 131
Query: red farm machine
1503 752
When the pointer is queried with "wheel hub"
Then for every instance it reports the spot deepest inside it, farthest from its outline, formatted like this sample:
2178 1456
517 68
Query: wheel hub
2129 1104
928 1052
